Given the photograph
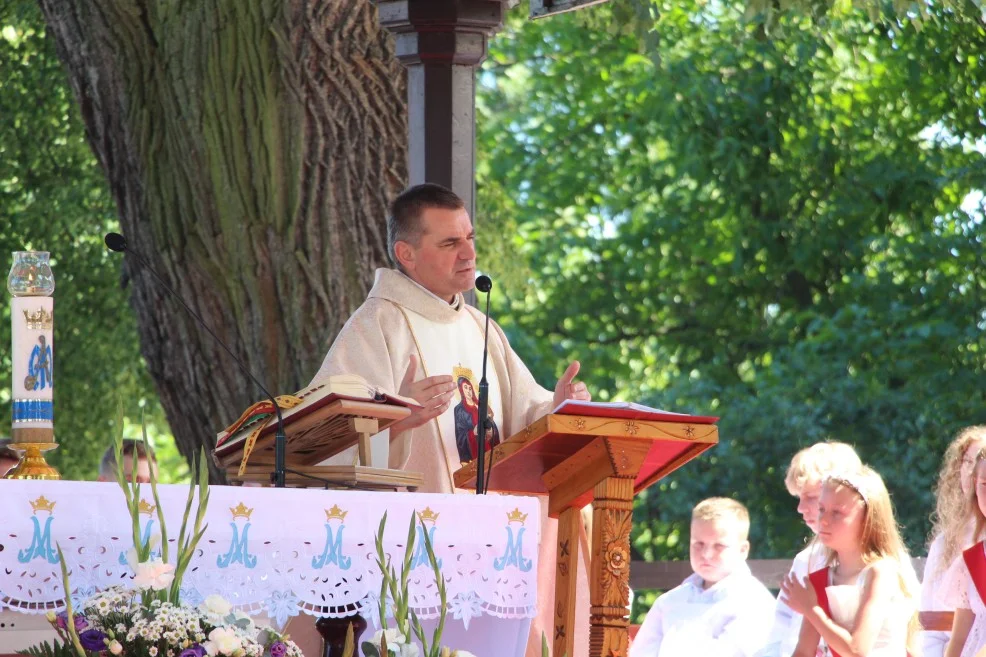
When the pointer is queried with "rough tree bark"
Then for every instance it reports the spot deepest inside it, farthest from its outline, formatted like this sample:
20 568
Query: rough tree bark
251 148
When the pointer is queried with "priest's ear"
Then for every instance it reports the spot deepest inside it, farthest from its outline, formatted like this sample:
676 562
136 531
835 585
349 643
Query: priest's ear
406 255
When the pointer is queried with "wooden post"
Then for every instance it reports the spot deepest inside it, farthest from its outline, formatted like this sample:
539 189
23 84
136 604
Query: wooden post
441 43
566 571
365 427
609 577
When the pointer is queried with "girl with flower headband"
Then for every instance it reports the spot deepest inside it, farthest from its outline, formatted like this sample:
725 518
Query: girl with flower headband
952 532
806 475
863 603
965 582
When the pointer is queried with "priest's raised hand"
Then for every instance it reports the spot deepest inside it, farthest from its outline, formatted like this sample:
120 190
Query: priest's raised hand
568 388
434 393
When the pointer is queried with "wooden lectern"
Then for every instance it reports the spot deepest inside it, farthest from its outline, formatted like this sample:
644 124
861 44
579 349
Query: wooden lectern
603 456
315 433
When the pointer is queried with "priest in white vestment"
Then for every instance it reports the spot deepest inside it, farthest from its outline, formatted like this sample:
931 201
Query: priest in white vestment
416 336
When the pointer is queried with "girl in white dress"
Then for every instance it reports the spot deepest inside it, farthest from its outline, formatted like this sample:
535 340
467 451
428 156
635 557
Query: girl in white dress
864 602
952 531
967 577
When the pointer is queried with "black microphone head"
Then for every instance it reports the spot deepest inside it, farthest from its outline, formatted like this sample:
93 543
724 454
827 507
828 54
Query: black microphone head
115 242
483 283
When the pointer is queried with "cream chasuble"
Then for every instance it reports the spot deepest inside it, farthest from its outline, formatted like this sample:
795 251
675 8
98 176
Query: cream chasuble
400 318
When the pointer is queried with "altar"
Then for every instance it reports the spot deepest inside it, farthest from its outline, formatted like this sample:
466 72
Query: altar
283 552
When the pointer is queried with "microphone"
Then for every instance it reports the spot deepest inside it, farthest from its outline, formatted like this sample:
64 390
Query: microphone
483 284
117 242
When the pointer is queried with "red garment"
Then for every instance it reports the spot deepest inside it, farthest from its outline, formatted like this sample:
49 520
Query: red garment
975 561
819 581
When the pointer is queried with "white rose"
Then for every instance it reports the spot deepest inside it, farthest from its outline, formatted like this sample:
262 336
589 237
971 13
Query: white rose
222 641
216 604
462 653
115 647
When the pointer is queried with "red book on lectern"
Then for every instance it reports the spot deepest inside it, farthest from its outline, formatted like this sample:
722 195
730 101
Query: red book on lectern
629 411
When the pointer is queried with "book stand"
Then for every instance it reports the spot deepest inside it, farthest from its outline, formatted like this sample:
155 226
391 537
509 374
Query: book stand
319 434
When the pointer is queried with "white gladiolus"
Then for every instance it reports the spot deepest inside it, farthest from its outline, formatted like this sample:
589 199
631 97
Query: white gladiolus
154 574
392 634
395 643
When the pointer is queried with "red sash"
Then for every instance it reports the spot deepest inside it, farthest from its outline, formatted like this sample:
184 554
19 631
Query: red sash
819 580
975 560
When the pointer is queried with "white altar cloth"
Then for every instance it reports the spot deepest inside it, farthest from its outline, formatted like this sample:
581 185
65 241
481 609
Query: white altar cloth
277 551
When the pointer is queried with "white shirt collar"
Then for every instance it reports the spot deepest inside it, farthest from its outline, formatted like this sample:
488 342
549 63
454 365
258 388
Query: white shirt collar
696 581
455 302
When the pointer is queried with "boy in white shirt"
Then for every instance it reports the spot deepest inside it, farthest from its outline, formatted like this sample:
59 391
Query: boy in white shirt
721 609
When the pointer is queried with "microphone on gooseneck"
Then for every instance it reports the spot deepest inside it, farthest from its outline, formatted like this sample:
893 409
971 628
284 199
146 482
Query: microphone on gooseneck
117 242
483 284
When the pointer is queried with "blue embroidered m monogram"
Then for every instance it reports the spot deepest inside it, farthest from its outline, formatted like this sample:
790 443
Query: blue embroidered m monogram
144 540
40 544
239 551
514 555
420 555
333 550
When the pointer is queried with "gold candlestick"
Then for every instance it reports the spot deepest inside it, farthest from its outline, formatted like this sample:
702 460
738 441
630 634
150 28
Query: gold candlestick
31 283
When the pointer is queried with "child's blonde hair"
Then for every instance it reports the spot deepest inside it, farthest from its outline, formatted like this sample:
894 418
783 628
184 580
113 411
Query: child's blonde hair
814 464
880 537
976 513
724 508
952 510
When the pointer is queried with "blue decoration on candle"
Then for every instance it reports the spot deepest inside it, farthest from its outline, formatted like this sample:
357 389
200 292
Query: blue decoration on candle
34 410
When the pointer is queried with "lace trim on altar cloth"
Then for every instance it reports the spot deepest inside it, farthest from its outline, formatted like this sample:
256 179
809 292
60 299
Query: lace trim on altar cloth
277 552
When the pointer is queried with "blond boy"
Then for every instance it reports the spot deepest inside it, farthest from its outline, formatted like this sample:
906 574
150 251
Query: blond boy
721 609
808 471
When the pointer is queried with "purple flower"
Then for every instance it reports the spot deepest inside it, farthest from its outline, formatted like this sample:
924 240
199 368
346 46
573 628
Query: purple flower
278 649
195 651
93 640
80 621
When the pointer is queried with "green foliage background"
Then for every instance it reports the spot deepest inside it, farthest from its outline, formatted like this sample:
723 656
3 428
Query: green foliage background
783 231
53 197
779 226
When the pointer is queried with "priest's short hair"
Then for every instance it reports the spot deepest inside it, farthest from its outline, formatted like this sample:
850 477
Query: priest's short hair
404 222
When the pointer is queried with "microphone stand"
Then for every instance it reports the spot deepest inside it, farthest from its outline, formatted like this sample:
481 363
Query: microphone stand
484 397
118 243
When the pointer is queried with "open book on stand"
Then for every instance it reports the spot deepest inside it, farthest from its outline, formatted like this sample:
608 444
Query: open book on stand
628 411
318 423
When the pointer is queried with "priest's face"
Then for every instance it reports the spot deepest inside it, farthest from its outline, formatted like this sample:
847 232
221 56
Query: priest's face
444 259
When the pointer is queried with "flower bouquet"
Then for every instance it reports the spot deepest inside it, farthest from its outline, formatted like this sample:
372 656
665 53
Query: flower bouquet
116 622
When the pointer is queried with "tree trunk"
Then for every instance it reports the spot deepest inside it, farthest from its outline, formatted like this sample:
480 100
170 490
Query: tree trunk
251 148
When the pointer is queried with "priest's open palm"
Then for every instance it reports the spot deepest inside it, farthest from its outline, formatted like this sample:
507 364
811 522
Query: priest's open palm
434 393
568 388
